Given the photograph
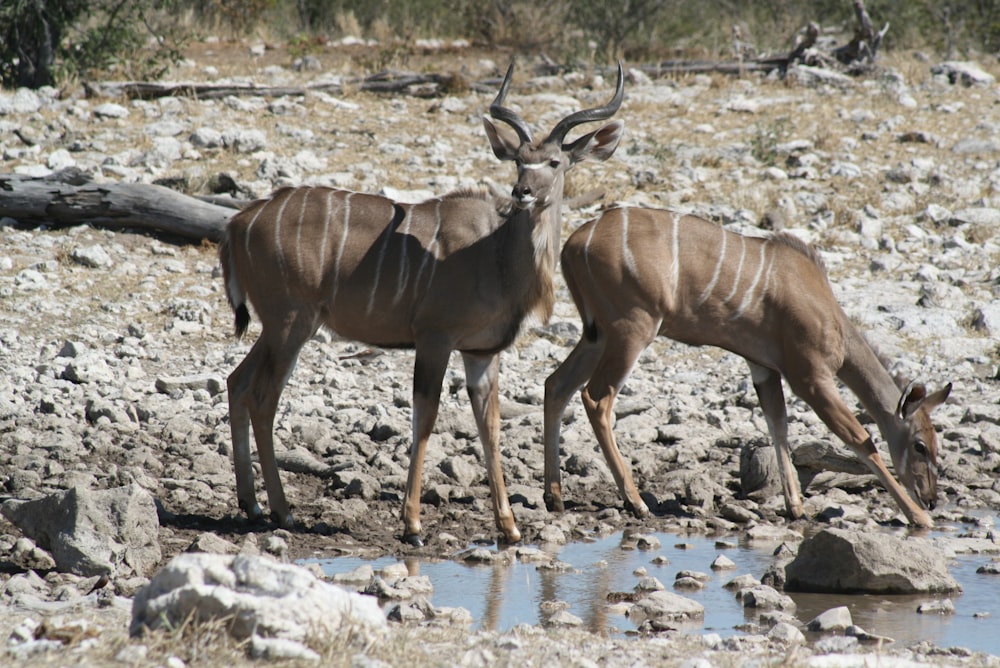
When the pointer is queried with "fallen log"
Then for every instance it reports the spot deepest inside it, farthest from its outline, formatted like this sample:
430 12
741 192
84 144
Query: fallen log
69 197
420 85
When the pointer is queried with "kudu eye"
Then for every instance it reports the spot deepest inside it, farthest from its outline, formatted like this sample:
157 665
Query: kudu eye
920 447
554 163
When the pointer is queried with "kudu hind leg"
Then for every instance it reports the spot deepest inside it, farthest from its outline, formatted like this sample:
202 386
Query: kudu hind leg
767 383
482 379
560 387
613 369
264 375
239 386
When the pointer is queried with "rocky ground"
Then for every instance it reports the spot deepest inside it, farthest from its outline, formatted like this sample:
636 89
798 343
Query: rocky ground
115 346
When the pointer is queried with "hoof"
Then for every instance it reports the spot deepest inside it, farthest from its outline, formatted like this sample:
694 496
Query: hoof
513 538
554 504
640 511
413 540
253 512
286 522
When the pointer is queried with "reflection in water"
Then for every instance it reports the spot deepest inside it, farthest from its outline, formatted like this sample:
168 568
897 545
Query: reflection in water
512 592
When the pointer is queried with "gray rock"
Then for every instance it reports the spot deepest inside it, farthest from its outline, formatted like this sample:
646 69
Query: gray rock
723 563
665 605
462 469
838 560
206 138
834 619
111 110
203 381
765 597
165 150
992 568
964 73
986 319
983 215
744 581
362 574
212 543
30 280
91 367
382 588
973 146
92 256
648 584
563 619
282 649
244 140
111 532
942 606
21 101
255 596
786 634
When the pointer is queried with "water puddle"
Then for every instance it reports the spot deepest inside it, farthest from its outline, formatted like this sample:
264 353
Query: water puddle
501 596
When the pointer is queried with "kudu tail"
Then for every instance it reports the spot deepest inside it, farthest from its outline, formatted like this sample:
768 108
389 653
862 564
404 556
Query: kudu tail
235 293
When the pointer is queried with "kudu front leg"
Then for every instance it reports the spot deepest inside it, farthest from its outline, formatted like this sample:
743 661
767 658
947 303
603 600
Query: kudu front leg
482 379
826 401
428 375
767 383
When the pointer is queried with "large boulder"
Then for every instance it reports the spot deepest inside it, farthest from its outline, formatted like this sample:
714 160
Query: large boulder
850 561
113 532
254 596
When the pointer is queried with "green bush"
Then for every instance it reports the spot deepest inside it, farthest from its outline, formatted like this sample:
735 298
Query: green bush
46 40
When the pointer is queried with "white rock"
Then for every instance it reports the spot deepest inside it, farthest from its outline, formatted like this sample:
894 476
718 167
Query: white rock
834 619
111 110
666 605
92 256
258 595
22 101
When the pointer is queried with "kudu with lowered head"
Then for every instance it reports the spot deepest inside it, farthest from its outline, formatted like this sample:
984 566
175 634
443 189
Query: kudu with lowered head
636 274
458 272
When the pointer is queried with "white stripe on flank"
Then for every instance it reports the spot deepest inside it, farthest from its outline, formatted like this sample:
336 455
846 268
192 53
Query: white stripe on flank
586 248
343 242
748 296
298 232
769 274
387 237
246 232
404 259
739 270
707 292
626 251
278 252
676 250
327 214
429 252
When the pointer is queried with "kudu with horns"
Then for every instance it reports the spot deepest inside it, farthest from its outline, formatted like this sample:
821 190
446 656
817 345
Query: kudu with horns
458 272
636 274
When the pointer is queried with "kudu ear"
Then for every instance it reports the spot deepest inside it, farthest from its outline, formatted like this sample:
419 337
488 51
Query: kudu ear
915 396
504 142
598 145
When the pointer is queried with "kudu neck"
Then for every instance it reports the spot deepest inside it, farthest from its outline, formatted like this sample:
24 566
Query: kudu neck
866 376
